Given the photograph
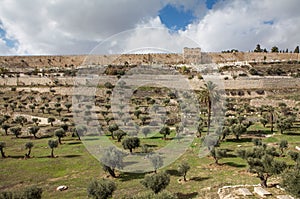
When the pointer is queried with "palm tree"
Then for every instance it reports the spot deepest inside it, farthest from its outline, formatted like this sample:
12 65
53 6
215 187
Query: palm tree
271 112
208 95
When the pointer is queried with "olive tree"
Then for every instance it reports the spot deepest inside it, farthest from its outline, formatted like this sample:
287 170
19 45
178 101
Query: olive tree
183 168
2 146
261 161
34 130
156 182
156 161
131 143
111 159
51 120
16 131
28 146
60 133
283 144
165 131
52 144
217 154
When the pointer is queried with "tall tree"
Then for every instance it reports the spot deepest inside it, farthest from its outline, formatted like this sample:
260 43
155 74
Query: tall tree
271 111
208 96
296 49
274 49
258 49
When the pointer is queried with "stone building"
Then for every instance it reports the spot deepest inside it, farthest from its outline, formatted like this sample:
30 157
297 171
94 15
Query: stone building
192 55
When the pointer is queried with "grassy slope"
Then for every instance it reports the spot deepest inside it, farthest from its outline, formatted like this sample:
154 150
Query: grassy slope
75 167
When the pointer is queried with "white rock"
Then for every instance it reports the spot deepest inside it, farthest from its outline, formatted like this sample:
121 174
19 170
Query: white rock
261 192
284 197
62 188
244 192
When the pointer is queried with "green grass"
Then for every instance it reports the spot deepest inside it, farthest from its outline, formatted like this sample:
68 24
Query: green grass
75 167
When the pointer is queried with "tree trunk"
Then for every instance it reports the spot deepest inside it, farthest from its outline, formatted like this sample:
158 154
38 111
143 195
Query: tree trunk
208 116
237 137
184 177
217 161
2 153
111 172
28 154
59 140
112 135
130 150
263 181
52 153
272 122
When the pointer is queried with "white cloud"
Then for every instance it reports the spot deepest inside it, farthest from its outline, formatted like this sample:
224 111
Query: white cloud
241 24
70 26
75 26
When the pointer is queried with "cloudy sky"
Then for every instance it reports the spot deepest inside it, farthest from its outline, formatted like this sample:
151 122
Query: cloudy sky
38 27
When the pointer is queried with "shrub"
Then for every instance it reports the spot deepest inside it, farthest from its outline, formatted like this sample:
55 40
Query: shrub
156 182
101 189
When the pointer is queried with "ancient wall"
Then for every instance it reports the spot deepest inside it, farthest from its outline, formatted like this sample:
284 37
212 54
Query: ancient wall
190 56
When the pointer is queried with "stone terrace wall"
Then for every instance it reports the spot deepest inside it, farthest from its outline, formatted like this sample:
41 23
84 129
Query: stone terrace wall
253 57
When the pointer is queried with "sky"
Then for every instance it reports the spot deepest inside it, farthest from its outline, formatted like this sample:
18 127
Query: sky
55 27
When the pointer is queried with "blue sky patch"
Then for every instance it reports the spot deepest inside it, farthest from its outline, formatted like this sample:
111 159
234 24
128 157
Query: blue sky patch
176 18
9 42
210 3
270 22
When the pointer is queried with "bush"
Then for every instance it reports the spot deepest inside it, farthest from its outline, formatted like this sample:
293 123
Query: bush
32 193
291 181
156 182
101 189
